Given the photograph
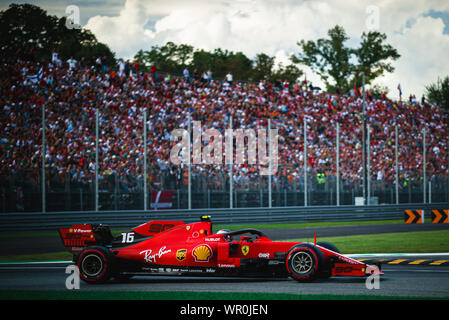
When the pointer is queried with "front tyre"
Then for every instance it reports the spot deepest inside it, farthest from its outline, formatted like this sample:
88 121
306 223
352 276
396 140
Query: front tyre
326 268
302 263
95 265
328 246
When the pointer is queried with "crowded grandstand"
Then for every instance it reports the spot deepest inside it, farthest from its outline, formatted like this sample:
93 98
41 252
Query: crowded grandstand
72 90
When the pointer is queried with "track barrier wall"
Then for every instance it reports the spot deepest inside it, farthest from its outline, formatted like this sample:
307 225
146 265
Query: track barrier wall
38 221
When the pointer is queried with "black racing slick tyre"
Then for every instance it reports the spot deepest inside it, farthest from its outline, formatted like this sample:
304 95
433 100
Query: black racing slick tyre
328 246
95 265
326 268
303 262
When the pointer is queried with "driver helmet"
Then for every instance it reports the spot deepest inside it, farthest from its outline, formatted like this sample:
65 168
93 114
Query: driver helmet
225 232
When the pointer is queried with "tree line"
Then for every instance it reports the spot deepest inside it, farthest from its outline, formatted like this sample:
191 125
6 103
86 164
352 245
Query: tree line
27 30
173 58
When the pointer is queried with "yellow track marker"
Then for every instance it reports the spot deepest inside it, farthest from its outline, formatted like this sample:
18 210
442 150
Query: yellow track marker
418 261
397 261
438 262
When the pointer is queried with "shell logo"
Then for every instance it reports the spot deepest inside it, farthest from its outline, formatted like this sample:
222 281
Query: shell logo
202 253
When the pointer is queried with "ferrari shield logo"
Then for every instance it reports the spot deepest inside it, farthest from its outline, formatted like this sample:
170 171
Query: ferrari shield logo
181 254
245 250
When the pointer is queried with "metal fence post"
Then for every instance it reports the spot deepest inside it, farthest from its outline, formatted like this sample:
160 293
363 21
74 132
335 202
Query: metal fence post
424 165
368 166
96 159
81 200
338 164
208 198
364 142
231 163
145 187
43 152
269 164
305 162
189 187
396 164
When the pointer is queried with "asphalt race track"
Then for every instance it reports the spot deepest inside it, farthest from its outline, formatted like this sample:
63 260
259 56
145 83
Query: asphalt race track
398 281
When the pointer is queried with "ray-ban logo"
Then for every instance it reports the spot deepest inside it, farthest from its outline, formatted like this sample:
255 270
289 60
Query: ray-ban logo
254 147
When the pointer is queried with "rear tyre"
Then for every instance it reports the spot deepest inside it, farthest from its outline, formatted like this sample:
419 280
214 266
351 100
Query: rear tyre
303 262
95 265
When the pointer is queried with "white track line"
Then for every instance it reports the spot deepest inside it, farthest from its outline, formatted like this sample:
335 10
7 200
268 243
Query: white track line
35 262
386 255
362 255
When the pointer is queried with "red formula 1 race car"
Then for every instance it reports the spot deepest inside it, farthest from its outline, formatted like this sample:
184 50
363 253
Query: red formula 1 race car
173 247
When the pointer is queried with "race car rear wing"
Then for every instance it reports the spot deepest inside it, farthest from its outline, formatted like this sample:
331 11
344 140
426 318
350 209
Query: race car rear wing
80 236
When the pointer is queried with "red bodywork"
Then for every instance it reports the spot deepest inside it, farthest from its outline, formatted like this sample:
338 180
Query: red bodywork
175 247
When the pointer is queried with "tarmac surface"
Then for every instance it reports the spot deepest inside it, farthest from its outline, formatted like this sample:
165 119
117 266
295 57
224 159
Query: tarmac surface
397 281
400 279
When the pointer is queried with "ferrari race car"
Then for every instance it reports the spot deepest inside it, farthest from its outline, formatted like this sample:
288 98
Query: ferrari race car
173 247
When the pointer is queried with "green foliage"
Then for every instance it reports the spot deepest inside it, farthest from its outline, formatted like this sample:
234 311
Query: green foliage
263 67
239 65
186 295
438 93
290 73
169 58
28 31
328 57
399 242
377 91
373 57
341 66
173 58
24 27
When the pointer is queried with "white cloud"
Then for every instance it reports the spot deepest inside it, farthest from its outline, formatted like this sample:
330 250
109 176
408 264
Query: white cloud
274 27
125 34
423 48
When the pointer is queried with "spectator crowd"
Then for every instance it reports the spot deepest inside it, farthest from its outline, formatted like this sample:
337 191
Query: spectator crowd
72 91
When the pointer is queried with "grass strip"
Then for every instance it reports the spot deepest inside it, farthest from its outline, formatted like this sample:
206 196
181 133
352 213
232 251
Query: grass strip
52 256
182 295
400 242
304 225
229 226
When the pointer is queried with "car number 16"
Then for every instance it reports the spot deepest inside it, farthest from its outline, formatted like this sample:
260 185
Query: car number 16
127 237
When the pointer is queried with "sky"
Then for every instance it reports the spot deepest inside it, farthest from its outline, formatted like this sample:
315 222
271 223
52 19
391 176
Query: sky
418 29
